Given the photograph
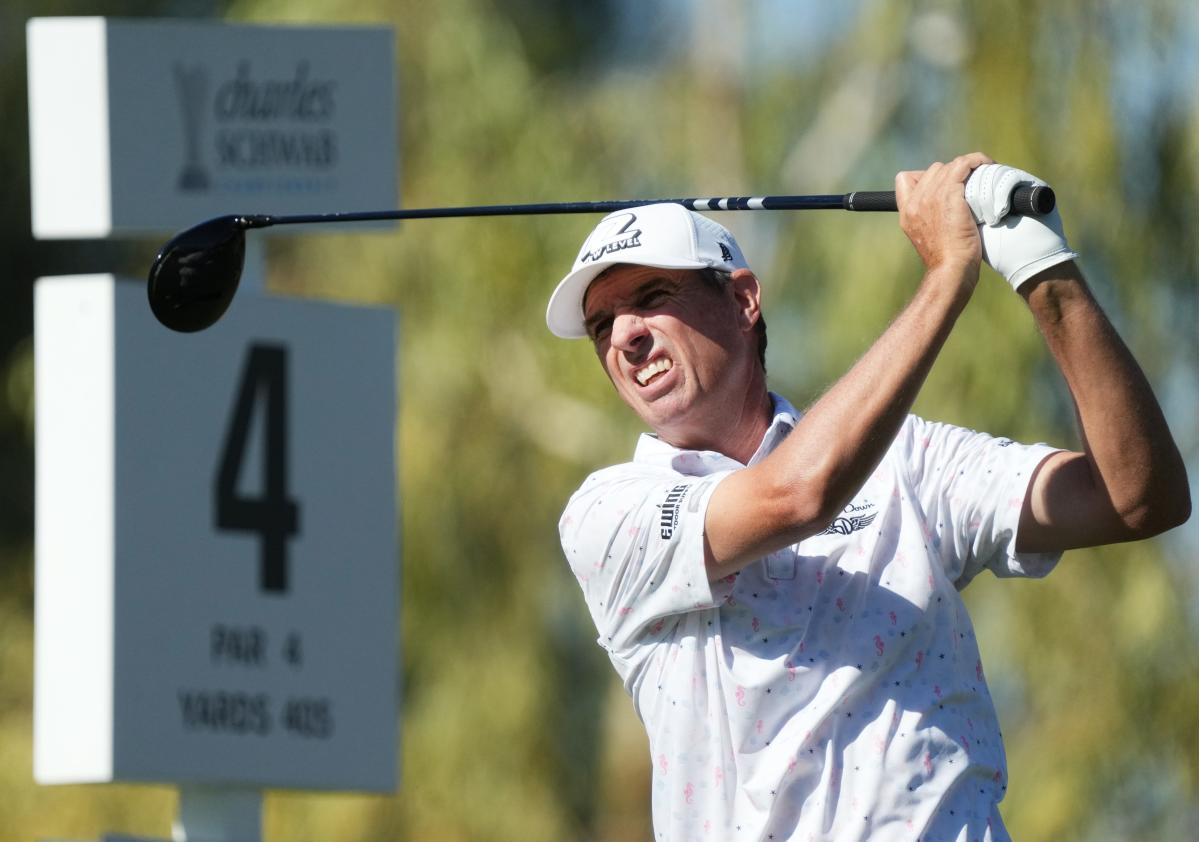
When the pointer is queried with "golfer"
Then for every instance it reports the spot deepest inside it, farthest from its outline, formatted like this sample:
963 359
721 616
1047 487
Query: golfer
778 589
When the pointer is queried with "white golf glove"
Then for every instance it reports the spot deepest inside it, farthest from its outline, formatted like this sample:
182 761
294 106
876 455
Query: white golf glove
1016 247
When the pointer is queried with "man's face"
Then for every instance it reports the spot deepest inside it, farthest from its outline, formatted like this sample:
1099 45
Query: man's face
681 353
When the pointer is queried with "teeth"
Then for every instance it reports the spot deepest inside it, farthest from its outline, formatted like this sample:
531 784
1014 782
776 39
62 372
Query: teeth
656 367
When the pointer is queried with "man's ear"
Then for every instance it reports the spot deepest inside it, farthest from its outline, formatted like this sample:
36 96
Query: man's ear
747 293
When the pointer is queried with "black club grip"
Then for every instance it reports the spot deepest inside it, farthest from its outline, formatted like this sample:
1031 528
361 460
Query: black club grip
1027 200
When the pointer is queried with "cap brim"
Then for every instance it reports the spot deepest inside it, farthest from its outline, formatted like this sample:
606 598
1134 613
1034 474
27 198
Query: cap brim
564 315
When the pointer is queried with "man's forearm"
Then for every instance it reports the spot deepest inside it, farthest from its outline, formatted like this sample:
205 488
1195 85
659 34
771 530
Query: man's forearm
1131 466
809 477
841 438
849 429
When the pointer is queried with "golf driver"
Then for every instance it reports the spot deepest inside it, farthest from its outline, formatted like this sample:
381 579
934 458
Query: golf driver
195 275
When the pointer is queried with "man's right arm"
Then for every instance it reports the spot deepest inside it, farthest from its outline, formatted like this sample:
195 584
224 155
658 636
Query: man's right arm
808 479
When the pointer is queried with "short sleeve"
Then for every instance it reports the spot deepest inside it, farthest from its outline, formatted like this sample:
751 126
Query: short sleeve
634 540
972 488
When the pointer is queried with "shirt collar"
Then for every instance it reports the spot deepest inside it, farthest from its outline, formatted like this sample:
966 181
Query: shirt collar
652 450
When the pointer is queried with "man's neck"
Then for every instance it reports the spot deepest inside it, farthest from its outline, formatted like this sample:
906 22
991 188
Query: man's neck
744 435
736 433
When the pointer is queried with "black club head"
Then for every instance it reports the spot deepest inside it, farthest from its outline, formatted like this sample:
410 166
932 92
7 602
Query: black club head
195 275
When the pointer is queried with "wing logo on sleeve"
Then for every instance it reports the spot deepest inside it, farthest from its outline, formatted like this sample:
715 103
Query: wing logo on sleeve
669 518
853 519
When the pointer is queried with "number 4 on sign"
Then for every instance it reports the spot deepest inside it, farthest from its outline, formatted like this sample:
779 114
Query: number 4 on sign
272 515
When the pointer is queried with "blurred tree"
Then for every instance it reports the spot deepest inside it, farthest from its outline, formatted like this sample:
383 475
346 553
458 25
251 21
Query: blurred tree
569 36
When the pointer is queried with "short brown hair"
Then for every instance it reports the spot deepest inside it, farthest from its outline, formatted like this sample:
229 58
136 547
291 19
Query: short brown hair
720 279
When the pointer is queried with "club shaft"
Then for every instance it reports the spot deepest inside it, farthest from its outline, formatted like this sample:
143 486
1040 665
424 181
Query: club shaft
700 204
1026 200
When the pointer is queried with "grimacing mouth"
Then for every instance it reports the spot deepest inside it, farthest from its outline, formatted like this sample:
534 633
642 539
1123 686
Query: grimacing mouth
652 369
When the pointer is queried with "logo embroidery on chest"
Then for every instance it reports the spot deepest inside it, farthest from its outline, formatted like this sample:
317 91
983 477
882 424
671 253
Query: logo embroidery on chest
669 517
853 519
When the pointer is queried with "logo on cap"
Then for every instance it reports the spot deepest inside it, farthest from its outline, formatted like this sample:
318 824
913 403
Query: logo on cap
725 253
615 230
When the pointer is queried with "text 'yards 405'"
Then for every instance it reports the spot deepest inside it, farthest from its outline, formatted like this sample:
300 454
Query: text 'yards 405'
249 713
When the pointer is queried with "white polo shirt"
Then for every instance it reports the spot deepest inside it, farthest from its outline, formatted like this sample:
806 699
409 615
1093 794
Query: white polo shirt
830 691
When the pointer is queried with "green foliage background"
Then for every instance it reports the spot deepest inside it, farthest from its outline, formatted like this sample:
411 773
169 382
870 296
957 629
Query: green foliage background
513 725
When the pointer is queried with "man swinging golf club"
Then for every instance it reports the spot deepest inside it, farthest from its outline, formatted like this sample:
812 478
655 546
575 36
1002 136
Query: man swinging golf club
778 589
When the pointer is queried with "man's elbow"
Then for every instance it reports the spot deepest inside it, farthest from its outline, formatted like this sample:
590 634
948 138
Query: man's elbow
801 507
1178 512
813 503
1170 508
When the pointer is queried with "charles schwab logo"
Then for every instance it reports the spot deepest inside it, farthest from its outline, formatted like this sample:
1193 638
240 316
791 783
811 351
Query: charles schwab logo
614 234
270 133
191 86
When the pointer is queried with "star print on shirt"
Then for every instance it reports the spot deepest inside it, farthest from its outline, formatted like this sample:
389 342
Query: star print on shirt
641 578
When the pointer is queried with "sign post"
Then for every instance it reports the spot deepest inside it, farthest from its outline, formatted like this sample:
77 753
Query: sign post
215 536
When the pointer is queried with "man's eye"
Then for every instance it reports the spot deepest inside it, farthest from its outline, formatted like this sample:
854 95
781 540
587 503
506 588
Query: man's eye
653 298
600 329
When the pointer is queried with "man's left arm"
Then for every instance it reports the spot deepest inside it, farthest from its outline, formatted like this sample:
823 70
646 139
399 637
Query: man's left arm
1129 482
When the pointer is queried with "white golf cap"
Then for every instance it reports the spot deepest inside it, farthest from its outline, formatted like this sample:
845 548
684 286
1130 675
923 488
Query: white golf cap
666 235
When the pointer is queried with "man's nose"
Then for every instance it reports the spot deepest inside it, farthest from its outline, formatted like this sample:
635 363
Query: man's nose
629 332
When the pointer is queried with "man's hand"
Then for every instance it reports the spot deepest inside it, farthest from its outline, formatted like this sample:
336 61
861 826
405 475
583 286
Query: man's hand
934 214
1016 247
